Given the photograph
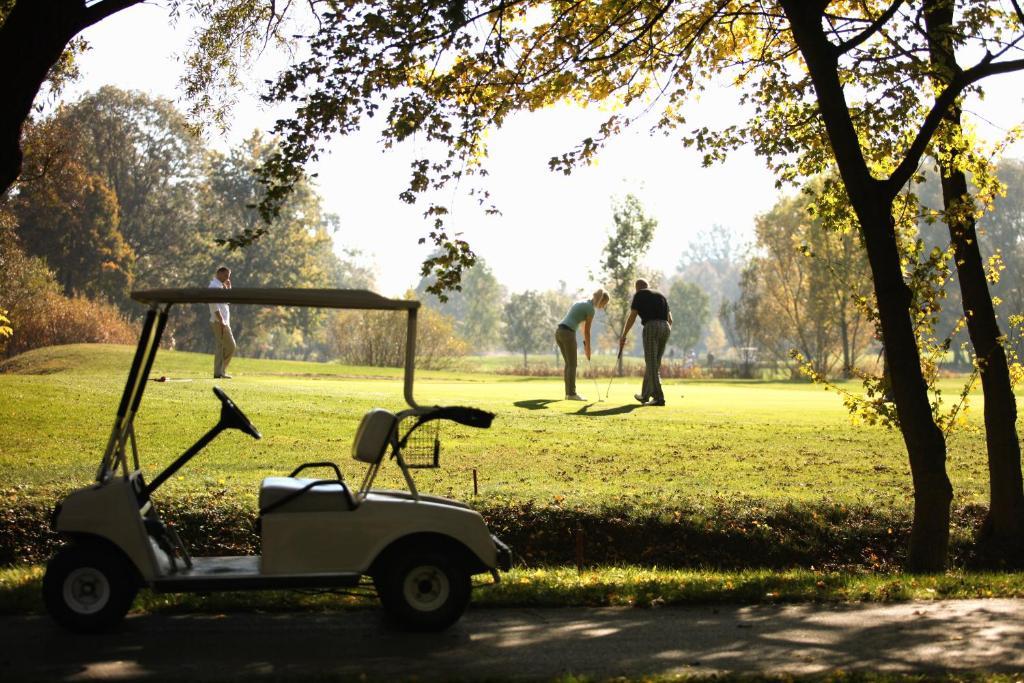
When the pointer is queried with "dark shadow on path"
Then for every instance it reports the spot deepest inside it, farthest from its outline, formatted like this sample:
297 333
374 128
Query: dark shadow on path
535 403
524 644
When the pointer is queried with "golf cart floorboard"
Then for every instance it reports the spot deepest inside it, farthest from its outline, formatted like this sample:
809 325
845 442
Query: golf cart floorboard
242 573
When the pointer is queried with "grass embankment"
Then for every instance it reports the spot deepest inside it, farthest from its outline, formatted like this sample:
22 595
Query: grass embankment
729 474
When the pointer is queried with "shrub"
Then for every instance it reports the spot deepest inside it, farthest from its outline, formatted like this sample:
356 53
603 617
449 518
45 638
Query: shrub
24 280
712 534
56 319
377 338
37 314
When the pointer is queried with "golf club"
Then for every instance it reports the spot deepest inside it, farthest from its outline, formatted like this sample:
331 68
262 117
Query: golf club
596 387
617 359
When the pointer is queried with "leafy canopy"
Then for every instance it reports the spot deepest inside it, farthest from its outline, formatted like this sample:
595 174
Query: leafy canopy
450 71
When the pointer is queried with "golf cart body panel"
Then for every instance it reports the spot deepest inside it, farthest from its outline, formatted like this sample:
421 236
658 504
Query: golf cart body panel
351 540
111 511
420 550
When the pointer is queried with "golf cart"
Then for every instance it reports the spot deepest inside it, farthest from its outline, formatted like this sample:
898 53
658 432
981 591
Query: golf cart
419 551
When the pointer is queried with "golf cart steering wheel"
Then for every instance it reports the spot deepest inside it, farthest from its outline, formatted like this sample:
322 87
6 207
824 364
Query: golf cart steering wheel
232 417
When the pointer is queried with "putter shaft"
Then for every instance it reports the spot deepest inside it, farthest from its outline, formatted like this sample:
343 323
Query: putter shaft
609 390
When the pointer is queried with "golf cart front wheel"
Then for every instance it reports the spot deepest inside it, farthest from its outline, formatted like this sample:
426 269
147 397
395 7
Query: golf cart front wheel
424 591
88 589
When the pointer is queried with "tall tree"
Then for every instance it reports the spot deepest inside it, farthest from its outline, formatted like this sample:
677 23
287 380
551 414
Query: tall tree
348 271
741 320
527 324
476 306
873 196
155 164
811 281
690 314
713 260
38 43
628 241
70 218
1005 518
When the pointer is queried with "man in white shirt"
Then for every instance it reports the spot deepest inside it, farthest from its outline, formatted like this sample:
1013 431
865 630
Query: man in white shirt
220 323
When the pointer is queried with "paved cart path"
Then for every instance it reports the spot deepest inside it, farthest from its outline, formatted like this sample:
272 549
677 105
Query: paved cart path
528 644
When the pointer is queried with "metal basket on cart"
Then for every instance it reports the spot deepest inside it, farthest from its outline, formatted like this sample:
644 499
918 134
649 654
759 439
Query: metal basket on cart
421 449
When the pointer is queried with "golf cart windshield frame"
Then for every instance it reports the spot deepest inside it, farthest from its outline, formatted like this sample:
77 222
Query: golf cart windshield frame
160 302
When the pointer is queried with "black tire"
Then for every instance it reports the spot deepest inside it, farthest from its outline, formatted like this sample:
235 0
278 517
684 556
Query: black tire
89 588
423 590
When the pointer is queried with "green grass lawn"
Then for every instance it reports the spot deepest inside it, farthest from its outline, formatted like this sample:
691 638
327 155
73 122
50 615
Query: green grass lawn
733 475
775 442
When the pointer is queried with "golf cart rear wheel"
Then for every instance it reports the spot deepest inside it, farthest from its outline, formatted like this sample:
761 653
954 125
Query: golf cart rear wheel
88 589
424 590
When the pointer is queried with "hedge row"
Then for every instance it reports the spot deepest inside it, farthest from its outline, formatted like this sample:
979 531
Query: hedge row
718 535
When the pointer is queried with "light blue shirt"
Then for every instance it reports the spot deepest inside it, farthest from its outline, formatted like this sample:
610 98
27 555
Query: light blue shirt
580 311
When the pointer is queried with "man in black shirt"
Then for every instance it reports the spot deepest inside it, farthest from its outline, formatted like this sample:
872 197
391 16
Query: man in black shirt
652 307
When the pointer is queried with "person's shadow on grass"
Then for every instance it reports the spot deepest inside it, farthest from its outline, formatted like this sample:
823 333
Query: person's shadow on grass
619 410
543 403
535 403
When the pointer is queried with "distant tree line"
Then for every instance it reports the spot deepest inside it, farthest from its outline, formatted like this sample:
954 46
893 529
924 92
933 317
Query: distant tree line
804 294
118 193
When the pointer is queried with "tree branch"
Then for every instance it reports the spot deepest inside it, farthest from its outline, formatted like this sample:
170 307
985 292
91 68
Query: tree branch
101 10
1016 8
983 69
640 34
871 30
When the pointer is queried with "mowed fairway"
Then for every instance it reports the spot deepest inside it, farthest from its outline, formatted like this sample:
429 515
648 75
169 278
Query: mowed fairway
771 442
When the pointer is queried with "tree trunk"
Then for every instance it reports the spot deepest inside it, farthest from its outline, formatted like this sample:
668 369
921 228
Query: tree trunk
872 201
925 443
32 39
1005 520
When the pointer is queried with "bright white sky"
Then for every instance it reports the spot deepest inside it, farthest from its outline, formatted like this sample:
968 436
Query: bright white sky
553 227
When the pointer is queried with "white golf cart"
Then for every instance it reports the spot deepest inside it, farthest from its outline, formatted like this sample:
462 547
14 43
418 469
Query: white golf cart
419 551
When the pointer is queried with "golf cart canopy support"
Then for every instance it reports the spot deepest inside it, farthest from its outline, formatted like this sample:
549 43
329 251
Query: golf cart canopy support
160 302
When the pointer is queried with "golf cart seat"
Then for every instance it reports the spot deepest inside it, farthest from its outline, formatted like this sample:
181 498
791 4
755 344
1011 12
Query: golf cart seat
291 494
374 435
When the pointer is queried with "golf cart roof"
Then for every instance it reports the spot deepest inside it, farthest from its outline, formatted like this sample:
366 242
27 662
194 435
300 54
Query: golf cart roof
321 298
160 302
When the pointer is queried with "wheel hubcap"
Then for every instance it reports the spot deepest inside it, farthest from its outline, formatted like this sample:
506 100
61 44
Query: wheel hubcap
426 588
86 590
